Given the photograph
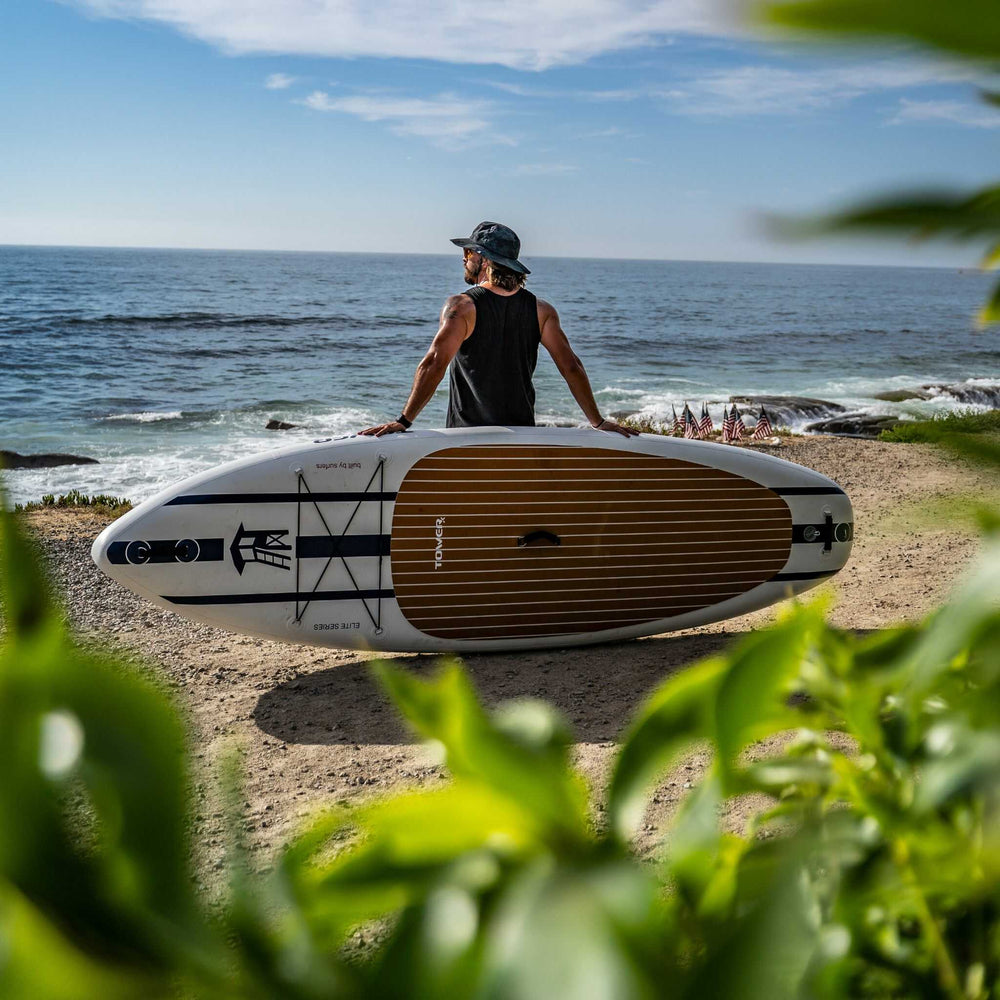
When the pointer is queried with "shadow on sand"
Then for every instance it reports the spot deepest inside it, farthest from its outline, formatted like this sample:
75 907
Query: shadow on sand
597 688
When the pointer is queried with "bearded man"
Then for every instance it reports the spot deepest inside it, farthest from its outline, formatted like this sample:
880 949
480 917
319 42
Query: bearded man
490 336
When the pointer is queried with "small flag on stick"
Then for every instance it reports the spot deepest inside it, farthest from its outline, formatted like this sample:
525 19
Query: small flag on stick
705 427
678 427
739 428
690 424
763 428
728 423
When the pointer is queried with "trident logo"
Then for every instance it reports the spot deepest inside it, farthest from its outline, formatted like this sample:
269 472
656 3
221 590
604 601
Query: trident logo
265 547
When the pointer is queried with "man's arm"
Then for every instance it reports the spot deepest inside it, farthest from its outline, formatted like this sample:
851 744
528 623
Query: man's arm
458 318
555 341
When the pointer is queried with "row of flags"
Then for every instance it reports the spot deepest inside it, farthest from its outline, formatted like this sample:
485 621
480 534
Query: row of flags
733 429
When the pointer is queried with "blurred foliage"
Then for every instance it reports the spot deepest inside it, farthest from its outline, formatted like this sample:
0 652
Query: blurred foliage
969 28
874 872
101 503
943 425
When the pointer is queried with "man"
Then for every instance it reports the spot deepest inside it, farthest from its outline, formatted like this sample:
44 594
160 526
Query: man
490 336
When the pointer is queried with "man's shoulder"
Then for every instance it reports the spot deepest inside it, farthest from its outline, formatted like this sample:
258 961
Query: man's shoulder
458 305
545 309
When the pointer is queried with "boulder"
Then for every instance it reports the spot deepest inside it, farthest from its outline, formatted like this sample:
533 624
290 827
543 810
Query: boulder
12 460
901 395
279 425
788 410
858 425
978 394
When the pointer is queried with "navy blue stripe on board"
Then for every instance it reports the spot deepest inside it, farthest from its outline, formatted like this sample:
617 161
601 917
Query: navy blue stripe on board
206 498
807 491
325 546
289 597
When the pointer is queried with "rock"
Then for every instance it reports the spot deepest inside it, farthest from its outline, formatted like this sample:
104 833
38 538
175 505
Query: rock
979 394
279 425
859 425
901 395
788 410
12 460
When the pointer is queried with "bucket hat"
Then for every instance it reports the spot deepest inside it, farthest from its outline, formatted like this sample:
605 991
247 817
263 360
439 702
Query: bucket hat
497 242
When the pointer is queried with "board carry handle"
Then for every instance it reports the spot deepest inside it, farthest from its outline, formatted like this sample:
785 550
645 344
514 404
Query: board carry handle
534 537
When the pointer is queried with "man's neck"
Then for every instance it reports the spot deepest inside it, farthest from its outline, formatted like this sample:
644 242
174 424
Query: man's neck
496 290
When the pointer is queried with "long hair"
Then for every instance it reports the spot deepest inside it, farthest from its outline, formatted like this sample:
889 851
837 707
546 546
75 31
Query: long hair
504 277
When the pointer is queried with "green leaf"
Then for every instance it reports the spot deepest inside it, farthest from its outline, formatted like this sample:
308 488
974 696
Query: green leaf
677 713
25 594
751 699
93 801
765 948
969 27
522 753
972 609
577 933
991 258
922 214
967 761
989 312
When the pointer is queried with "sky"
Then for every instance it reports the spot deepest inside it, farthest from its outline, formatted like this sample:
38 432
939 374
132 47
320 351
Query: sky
661 129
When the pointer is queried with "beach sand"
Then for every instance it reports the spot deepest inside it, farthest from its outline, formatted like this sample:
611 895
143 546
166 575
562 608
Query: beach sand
315 729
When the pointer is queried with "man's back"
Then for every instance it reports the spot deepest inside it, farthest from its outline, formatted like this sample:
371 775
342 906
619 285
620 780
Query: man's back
490 382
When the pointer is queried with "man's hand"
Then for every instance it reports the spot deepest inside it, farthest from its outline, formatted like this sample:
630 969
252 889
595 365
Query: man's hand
610 425
393 427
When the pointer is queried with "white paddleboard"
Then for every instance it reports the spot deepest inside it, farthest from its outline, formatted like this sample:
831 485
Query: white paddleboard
482 539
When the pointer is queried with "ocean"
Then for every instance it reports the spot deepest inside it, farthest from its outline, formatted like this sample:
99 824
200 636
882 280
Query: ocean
163 363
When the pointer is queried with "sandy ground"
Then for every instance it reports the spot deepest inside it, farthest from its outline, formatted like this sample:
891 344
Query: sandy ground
315 729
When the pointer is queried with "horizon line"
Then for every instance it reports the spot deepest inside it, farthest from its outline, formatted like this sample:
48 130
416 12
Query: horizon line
388 253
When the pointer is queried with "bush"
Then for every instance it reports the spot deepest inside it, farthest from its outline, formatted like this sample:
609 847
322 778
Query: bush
875 872
944 425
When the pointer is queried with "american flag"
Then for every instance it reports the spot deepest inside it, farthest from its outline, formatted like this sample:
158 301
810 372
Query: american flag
763 428
705 427
690 424
728 422
678 427
739 428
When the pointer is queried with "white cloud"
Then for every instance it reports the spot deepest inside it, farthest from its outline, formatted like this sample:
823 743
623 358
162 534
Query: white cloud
445 120
522 34
956 112
279 81
771 90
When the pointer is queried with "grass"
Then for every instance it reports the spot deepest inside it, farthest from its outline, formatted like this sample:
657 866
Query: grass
100 503
933 430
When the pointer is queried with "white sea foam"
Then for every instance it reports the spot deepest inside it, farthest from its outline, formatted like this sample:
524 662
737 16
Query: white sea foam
146 417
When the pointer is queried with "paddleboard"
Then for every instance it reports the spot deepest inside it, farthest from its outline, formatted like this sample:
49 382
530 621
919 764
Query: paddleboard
483 538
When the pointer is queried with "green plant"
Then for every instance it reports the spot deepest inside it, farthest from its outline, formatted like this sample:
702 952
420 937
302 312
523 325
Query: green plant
875 873
969 28
101 503
944 425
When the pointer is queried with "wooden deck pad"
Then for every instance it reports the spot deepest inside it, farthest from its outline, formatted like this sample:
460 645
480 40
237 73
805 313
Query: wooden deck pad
641 538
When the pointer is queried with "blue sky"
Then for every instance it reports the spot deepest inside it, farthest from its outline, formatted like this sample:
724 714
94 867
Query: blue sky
618 128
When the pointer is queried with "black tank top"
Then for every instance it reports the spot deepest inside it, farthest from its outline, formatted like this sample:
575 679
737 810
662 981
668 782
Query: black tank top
490 381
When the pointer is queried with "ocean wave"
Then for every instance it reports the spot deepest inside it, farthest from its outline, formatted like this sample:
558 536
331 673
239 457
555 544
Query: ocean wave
221 321
146 417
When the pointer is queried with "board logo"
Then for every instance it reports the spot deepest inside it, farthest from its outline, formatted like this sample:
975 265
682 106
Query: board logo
438 542
267 547
165 550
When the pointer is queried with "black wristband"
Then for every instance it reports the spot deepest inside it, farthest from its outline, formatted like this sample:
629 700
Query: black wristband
402 420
